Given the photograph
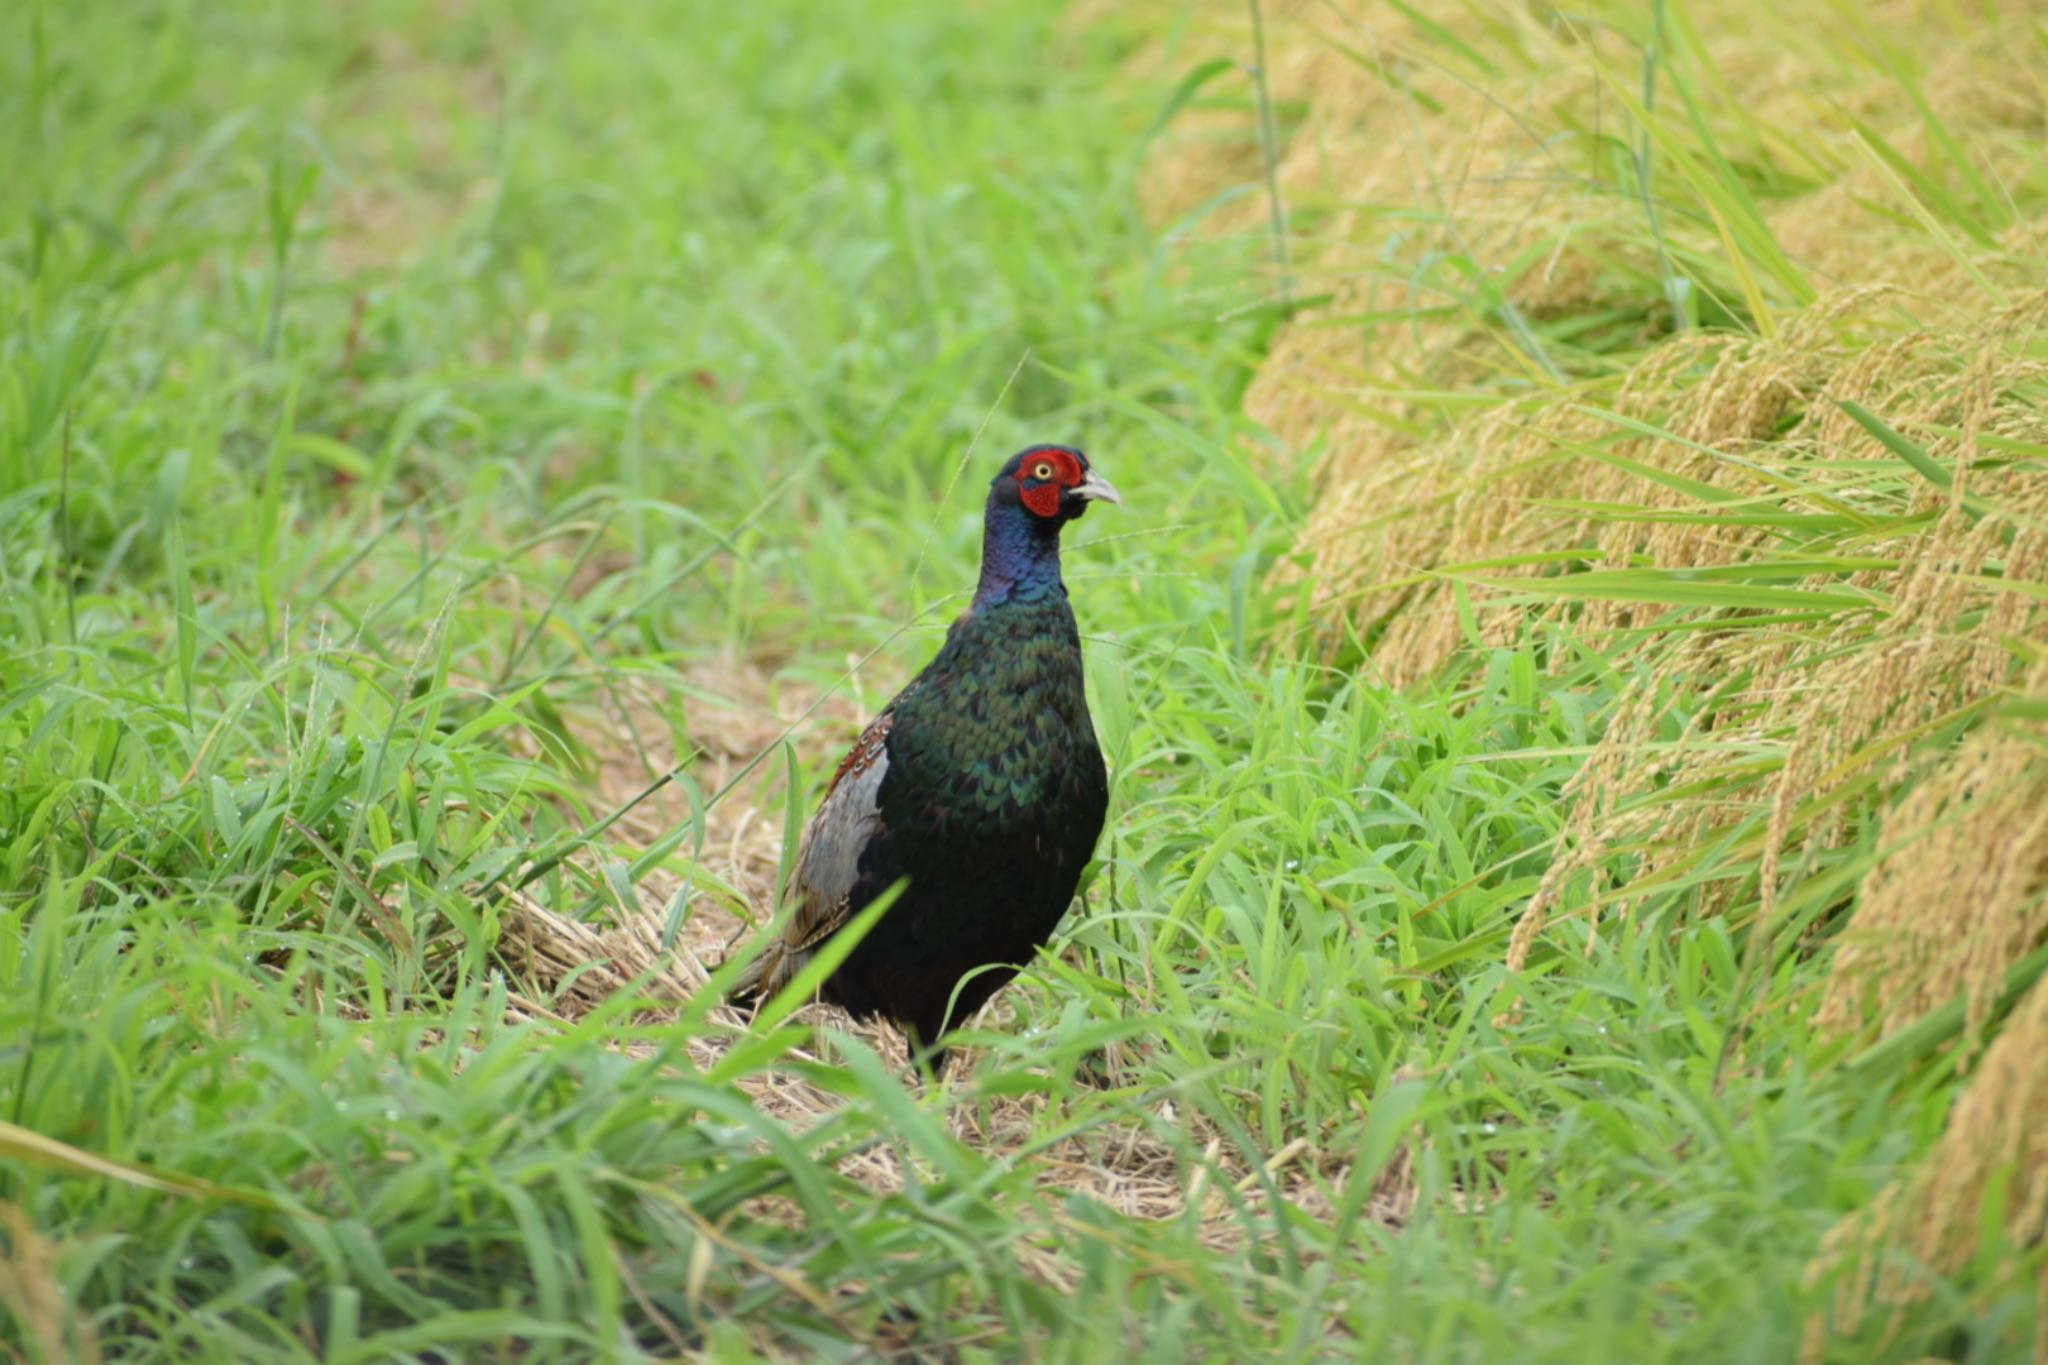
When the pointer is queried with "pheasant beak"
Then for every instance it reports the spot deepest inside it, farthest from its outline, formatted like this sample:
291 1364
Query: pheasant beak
1095 488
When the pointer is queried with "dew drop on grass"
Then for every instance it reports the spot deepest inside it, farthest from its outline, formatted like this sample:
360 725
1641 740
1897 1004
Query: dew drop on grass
1294 864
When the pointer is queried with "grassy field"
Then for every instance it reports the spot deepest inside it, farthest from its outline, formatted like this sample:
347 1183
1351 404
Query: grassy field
426 427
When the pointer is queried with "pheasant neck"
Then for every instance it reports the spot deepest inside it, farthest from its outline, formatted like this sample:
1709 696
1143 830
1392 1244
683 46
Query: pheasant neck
1020 558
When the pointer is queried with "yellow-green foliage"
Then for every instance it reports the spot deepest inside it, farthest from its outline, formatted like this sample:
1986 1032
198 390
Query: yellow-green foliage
1709 344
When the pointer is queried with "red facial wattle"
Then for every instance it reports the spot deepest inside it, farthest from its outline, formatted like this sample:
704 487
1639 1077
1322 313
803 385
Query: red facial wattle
1043 500
1043 477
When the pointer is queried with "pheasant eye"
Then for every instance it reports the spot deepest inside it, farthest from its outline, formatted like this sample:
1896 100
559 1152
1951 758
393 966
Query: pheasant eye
1041 470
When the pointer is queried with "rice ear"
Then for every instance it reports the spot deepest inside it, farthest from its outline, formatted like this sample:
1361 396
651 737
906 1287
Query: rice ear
1995 1147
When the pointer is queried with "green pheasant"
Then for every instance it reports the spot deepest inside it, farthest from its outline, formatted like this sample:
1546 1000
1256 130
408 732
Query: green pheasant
981 784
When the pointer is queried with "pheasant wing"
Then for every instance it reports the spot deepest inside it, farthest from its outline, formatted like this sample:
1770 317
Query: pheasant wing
827 872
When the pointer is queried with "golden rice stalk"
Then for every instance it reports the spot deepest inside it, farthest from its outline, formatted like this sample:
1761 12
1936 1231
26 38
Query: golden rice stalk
1824 704
1990 1170
34 1298
1452 175
1441 165
1443 168
1958 900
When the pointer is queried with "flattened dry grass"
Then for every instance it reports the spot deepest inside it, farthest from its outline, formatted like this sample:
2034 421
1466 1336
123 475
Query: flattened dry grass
578 967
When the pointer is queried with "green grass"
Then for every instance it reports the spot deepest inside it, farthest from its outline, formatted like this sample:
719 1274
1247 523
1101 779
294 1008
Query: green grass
387 395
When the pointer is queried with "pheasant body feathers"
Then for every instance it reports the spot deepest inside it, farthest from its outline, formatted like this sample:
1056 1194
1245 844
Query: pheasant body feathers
981 785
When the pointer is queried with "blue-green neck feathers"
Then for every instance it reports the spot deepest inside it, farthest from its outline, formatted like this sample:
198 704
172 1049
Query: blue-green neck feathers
1020 556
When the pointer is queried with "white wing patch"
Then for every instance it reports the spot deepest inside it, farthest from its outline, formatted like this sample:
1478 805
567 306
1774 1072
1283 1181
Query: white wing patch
828 864
828 861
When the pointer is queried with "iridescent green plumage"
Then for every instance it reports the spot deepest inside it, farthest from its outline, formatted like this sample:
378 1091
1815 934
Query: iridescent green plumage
982 784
